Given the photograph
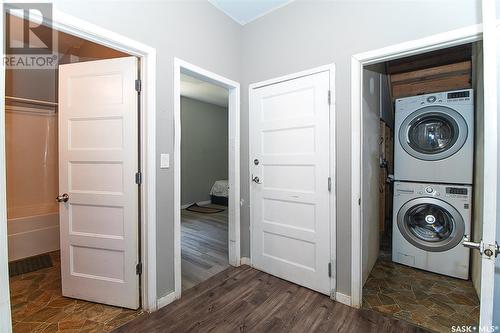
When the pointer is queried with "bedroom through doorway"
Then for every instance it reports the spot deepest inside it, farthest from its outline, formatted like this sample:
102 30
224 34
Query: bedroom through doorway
204 179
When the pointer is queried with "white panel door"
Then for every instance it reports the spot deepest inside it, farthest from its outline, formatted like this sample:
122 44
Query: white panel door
489 319
98 159
290 163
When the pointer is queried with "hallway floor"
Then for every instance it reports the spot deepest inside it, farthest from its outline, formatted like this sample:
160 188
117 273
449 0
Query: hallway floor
432 301
244 299
38 306
204 239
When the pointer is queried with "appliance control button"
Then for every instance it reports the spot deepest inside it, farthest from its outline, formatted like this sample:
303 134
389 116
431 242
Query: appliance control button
429 189
431 99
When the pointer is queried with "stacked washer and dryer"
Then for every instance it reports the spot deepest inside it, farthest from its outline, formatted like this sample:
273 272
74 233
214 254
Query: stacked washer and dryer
433 173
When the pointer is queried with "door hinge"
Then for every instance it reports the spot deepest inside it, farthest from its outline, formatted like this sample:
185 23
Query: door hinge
329 269
329 184
329 97
138 268
138 85
138 178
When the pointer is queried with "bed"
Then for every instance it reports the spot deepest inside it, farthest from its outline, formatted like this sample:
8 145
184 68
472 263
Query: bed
219 193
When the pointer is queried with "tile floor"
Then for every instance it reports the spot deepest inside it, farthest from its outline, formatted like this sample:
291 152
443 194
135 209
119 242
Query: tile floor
428 300
38 306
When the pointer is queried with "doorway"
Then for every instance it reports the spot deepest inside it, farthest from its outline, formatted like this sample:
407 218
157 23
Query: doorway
208 209
408 253
34 234
292 166
204 180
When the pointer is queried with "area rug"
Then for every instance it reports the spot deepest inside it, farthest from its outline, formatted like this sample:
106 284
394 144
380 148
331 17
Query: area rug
203 209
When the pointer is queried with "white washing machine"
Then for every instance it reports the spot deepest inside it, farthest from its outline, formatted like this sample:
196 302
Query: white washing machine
434 137
429 224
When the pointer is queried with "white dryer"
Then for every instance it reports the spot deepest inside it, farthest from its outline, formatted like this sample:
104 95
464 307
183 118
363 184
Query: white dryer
429 224
434 138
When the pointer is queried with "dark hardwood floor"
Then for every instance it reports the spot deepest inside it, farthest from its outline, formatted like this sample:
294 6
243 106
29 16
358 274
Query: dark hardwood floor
247 300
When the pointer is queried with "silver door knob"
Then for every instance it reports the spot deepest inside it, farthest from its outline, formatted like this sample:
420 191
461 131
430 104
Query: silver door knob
256 180
487 250
473 245
62 198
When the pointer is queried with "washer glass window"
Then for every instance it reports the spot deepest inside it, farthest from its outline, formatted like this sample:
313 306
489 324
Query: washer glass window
433 133
431 224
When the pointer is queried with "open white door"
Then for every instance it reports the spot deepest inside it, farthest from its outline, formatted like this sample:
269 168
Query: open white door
98 160
490 264
290 166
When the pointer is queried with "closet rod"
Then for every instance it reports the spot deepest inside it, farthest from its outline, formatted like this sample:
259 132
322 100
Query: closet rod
30 101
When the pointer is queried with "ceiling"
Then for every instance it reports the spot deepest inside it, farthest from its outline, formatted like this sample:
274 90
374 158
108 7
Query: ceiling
245 11
203 91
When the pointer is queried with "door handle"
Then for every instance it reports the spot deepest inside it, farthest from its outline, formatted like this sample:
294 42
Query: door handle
62 197
473 245
256 180
486 250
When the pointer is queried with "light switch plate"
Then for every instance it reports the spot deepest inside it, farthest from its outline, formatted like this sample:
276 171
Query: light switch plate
164 161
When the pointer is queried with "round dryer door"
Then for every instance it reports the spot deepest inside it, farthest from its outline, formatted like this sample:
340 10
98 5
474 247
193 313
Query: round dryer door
431 224
433 133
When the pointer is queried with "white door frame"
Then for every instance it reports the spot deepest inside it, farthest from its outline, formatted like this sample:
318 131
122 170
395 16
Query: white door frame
358 61
83 29
181 66
333 195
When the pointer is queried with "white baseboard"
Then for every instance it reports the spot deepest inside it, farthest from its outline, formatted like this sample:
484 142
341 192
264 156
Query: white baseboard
200 203
245 261
165 300
343 298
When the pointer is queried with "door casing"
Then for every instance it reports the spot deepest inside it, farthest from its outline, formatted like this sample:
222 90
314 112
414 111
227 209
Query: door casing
181 66
333 211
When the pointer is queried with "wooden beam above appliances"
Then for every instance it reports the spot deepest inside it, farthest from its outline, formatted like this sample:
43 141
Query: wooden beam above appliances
424 81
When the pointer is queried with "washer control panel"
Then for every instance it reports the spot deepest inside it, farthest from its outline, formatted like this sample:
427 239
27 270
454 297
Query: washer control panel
440 98
431 190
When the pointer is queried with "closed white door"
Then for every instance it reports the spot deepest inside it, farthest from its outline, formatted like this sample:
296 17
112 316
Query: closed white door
290 168
98 160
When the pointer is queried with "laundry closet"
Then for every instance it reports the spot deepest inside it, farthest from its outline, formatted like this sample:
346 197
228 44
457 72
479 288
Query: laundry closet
422 182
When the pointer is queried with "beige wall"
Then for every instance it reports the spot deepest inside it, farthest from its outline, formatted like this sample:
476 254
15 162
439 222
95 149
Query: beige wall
32 170
371 170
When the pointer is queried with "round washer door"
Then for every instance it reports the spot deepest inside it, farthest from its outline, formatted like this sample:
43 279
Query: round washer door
433 133
431 224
